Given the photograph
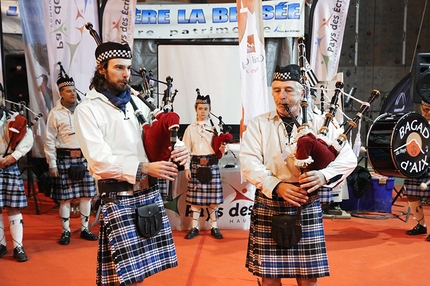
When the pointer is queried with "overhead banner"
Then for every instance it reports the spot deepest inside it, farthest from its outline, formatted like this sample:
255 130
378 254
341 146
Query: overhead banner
175 21
252 60
328 19
118 21
70 43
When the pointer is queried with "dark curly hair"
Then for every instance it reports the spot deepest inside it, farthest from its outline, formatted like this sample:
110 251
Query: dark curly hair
98 81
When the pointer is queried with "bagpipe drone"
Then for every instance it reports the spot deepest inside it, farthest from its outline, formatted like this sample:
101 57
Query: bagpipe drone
315 152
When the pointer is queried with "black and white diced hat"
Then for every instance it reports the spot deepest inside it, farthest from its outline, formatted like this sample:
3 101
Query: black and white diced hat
64 79
290 72
112 50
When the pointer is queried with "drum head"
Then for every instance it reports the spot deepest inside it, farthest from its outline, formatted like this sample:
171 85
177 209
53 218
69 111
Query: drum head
398 145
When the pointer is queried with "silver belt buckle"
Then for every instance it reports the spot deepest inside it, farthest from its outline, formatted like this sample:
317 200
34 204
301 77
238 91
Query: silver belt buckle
125 193
75 153
143 184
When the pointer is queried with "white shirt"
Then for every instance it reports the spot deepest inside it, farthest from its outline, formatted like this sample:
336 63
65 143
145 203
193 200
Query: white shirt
59 133
110 140
267 154
198 139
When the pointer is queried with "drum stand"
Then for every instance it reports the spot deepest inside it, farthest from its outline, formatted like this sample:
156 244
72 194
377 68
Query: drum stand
400 193
30 182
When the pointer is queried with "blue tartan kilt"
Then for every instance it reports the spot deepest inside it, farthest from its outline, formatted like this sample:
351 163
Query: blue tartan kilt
326 195
163 187
308 259
412 187
123 256
12 192
66 189
205 194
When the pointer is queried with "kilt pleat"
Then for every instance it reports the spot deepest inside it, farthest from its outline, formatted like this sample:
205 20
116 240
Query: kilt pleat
308 259
66 189
123 256
12 192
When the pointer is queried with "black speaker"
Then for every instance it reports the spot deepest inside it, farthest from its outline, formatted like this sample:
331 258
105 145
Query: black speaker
420 85
16 84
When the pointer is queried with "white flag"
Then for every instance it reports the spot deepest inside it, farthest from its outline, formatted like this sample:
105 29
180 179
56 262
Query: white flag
118 21
252 60
328 25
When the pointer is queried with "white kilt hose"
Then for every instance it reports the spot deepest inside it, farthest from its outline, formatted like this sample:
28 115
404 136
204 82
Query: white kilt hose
412 186
308 259
123 256
204 194
12 193
66 189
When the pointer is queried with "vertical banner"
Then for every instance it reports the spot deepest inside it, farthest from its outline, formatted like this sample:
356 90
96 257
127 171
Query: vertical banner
328 19
117 20
252 60
38 76
69 42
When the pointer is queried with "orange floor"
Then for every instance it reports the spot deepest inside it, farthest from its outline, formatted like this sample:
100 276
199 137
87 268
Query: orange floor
362 251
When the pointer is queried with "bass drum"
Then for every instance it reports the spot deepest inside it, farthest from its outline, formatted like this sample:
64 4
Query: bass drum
398 145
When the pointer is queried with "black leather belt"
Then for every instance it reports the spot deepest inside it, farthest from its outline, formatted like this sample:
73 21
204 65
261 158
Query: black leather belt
204 161
115 186
73 153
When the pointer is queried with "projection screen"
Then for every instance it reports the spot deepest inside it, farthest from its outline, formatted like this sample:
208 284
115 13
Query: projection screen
214 69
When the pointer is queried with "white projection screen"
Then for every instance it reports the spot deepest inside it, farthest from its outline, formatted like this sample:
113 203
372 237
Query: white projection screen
214 69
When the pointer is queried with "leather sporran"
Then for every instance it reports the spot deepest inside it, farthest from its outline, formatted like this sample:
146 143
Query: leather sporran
287 229
76 172
204 175
148 220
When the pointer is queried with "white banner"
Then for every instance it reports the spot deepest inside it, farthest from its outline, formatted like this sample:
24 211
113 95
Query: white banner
252 60
69 42
118 21
328 25
233 213
175 21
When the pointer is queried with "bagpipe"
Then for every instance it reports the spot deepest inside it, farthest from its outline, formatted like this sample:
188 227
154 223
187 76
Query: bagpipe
17 123
161 132
315 152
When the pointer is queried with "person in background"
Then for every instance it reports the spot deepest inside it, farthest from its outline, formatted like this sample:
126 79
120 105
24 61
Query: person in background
267 160
67 165
203 173
110 136
411 189
13 146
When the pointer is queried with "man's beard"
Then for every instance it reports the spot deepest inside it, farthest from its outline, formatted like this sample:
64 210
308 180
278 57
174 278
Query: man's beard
113 87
